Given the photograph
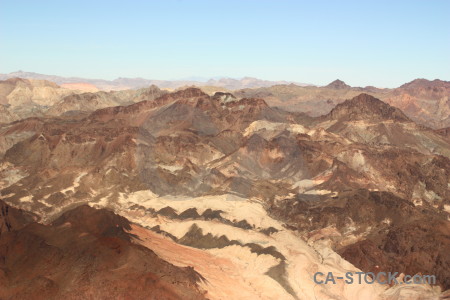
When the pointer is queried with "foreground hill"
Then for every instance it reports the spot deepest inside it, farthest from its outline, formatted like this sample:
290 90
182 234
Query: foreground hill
85 253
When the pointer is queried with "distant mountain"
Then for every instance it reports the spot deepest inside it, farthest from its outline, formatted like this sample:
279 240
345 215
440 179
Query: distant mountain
422 83
135 83
85 87
23 98
338 84
246 82
367 107
368 120
424 101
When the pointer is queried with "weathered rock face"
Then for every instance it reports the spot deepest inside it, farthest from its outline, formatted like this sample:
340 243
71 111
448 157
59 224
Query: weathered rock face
85 253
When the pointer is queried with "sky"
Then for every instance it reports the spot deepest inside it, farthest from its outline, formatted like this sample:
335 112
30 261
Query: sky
379 43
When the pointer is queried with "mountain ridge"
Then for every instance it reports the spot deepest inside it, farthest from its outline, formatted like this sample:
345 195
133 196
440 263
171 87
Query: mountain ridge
424 101
122 83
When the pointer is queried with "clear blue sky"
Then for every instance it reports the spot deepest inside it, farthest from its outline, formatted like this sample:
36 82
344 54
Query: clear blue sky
381 43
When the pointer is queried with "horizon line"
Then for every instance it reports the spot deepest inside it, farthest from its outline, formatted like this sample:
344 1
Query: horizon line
205 79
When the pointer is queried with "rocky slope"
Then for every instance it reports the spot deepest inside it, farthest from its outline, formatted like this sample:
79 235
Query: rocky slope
85 253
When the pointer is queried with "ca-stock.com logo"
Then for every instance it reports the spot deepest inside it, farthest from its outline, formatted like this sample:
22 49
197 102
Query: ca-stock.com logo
371 278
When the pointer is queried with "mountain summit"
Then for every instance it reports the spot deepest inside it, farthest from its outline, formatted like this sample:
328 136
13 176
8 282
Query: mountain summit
424 83
366 107
338 85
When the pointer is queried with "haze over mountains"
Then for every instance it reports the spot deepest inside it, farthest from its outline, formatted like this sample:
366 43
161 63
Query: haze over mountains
241 195
135 83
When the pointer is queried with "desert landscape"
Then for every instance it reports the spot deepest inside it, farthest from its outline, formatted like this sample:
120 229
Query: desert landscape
236 191
224 150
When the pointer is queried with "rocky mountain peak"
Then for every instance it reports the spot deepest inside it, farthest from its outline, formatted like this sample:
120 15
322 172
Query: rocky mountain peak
416 82
422 83
366 107
338 84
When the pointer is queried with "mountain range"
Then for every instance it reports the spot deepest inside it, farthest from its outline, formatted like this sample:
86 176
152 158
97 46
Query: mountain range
426 102
136 83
